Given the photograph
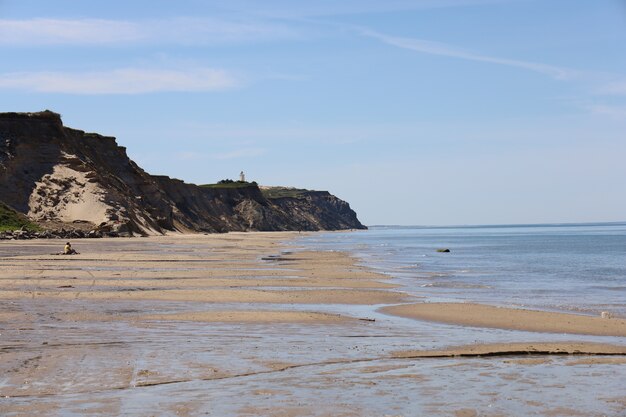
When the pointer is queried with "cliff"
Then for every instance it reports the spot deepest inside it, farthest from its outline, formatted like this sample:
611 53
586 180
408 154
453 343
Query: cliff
58 175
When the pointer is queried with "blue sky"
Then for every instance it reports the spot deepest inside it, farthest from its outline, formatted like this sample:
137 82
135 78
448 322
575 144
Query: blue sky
416 112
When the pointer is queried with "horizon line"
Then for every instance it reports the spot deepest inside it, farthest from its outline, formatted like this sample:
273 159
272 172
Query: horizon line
503 225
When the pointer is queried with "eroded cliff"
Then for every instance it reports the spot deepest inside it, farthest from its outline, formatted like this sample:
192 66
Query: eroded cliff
59 175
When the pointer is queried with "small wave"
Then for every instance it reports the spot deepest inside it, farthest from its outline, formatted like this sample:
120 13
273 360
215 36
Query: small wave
608 287
455 285
412 266
439 275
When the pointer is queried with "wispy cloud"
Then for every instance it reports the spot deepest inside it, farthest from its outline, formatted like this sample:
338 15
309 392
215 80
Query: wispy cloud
442 49
617 88
235 154
600 83
237 21
319 8
189 156
56 31
184 30
288 133
239 153
121 81
615 112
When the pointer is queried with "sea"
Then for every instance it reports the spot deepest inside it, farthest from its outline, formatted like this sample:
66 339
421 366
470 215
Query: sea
578 268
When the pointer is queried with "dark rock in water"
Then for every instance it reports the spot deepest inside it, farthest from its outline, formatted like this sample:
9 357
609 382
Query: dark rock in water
444 250
53 173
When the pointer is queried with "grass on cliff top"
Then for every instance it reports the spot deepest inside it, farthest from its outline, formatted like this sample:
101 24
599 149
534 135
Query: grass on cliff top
283 192
230 184
12 220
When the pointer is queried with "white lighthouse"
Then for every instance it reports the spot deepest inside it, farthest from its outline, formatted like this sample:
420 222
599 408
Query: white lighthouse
242 177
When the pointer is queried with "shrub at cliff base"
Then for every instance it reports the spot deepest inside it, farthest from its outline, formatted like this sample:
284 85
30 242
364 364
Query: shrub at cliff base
12 220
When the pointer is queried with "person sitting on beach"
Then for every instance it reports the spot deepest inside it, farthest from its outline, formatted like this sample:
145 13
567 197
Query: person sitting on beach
69 250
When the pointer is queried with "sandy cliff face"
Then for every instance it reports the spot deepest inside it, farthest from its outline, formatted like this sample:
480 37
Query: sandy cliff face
66 195
57 174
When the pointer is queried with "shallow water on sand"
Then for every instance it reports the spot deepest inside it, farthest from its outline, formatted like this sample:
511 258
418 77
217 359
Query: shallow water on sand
184 368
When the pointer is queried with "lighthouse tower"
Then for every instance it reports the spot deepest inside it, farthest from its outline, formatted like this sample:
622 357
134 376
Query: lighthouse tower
242 177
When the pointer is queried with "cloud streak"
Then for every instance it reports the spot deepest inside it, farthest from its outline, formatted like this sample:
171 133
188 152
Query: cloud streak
121 81
57 31
615 112
235 154
442 49
318 8
184 30
617 88
239 153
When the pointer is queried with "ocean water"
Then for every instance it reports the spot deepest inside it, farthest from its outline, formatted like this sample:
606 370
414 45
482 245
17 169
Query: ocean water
574 268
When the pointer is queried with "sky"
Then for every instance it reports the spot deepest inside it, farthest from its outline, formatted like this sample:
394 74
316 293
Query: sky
421 112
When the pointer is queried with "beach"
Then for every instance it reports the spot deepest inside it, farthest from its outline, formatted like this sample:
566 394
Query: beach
261 324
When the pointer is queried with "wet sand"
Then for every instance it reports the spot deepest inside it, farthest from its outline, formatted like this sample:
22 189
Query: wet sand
247 325
479 315
513 349
232 316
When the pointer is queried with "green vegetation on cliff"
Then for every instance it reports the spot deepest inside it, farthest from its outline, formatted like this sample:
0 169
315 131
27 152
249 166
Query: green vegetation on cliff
283 192
230 184
12 220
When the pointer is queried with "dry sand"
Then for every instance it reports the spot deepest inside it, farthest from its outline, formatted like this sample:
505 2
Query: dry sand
83 199
233 268
334 296
479 315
